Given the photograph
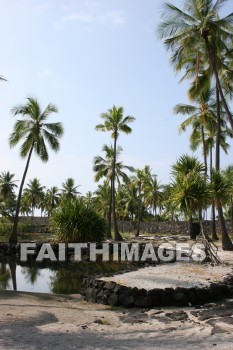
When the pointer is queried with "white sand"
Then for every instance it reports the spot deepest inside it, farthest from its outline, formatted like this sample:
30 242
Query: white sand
179 274
47 322
33 321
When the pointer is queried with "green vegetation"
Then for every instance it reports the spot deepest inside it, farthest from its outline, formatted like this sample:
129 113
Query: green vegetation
73 221
33 131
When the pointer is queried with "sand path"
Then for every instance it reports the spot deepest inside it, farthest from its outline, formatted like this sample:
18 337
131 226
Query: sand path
43 321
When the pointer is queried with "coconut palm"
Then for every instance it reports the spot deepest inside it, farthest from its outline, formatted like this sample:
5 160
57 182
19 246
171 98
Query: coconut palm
198 27
33 132
25 205
51 199
103 167
153 194
101 199
7 185
7 194
222 188
228 174
131 200
201 118
34 193
115 122
88 199
141 180
69 190
187 183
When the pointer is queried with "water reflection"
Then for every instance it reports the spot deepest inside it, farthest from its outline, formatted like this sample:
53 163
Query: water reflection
5 276
57 278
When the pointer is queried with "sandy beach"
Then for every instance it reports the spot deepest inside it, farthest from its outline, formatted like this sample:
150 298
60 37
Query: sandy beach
43 321
36 321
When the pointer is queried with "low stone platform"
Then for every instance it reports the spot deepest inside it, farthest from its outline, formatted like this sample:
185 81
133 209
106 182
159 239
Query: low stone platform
179 284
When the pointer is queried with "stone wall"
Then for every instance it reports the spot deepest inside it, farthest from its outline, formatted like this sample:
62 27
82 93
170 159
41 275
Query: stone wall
150 227
110 293
169 227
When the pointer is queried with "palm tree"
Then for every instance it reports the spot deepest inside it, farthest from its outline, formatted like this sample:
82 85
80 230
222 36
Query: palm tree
131 200
187 184
101 199
141 180
34 193
201 118
51 199
198 28
190 193
222 187
103 167
33 131
25 204
88 199
7 185
228 175
115 122
69 190
153 193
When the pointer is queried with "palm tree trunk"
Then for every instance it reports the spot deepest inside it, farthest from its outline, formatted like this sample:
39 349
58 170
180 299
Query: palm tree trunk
212 57
109 228
218 133
139 214
117 235
191 227
226 242
214 232
13 236
204 149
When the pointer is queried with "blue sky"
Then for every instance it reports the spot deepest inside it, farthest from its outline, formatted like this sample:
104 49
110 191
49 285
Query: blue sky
84 56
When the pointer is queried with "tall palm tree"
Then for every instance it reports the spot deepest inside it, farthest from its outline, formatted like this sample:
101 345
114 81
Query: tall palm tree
115 122
201 118
153 194
33 131
103 167
141 180
7 185
69 190
222 187
34 193
101 199
51 199
198 26
186 189
25 205
228 174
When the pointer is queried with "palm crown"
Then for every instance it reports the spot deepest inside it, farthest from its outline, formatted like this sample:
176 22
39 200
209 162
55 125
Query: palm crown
34 131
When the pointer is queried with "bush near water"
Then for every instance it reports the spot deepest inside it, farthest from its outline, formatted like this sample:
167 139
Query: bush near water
73 221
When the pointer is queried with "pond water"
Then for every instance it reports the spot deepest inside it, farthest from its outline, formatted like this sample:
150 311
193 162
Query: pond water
56 278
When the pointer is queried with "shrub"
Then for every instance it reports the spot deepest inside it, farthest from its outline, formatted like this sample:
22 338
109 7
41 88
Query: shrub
5 228
74 222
